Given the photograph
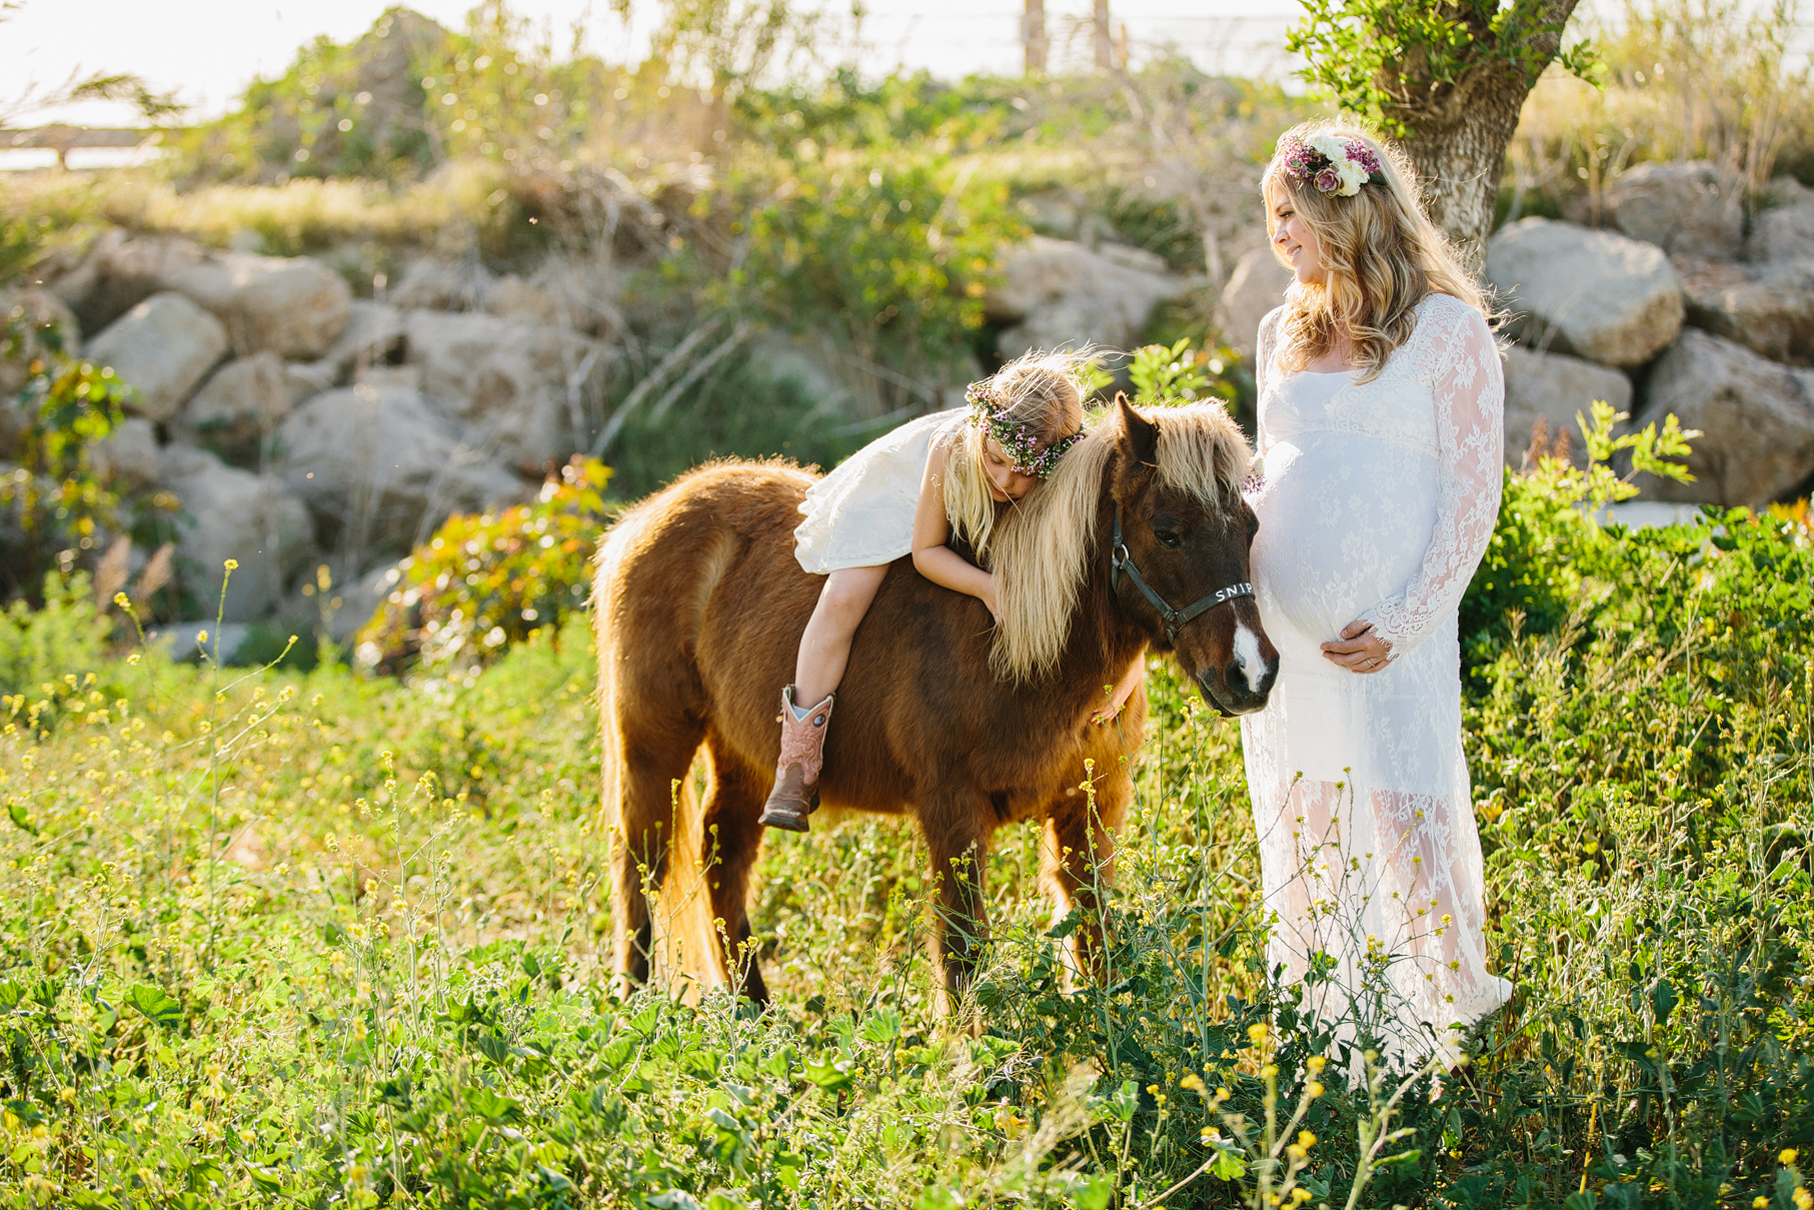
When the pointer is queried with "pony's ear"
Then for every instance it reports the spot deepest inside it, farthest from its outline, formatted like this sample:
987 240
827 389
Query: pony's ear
1139 436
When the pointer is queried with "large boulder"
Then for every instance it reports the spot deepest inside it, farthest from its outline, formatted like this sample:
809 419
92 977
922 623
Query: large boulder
1756 419
1257 285
238 515
1683 208
373 334
118 272
1058 294
236 411
1767 308
1554 387
48 326
515 384
434 285
1595 294
1783 232
381 468
162 348
294 307
129 456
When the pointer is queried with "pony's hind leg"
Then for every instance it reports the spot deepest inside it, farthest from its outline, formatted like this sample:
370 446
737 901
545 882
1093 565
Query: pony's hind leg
640 783
730 842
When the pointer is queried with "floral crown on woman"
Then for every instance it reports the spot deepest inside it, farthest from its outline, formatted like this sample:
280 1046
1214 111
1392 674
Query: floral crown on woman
1329 163
989 412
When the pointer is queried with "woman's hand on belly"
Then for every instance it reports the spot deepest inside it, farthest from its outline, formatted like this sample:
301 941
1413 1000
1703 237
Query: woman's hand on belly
1359 649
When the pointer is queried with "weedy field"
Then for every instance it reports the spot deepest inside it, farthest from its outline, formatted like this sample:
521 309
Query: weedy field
273 938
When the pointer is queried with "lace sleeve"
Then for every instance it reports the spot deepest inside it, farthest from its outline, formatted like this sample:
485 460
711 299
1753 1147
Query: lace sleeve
1262 370
1469 386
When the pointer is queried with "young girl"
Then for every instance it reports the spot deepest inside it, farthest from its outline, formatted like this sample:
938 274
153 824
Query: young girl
908 491
1380 452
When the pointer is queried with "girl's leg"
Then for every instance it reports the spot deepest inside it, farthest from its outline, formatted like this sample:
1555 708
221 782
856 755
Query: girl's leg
806 704
825 646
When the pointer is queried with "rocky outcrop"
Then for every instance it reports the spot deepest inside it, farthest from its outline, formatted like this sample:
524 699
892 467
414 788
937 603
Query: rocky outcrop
373 334
432 285
1767 308
1257 285
128 458
1556 388
294 307
162 348
1057 294
237 409
512 383
379 467
1683 208
117 273
1595 294
291 306
1782 233
1756 419
235 514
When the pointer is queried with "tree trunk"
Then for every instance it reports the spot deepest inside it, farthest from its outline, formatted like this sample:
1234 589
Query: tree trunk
1033 37
1460 167
1105 46
1459 130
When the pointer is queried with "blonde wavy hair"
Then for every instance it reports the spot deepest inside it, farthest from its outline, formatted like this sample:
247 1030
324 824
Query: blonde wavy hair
1044 395
1043 548
1381 253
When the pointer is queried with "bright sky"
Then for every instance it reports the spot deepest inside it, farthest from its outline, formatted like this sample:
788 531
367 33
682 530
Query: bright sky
209 50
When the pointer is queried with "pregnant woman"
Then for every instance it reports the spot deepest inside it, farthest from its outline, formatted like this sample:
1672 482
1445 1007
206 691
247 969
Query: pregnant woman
1380 440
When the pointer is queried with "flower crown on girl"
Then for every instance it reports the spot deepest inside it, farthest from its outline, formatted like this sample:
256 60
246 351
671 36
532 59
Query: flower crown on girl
988 410
1330 163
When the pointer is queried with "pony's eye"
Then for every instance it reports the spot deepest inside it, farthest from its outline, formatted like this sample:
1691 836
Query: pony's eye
1169 539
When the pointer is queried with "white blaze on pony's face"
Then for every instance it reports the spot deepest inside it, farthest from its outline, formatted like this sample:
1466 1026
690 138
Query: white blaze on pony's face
1247 658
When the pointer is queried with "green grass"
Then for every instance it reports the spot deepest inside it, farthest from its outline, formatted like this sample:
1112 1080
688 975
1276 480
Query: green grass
311 939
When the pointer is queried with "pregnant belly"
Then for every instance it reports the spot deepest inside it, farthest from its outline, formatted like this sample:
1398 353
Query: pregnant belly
1344 524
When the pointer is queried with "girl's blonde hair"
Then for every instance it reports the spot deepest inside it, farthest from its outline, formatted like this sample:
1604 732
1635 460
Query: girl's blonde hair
1381 254
1042 394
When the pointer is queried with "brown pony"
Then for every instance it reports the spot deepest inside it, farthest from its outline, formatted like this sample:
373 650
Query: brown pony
699 607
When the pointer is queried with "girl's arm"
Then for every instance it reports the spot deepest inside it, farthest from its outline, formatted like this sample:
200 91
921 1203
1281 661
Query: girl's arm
932 558
1124 689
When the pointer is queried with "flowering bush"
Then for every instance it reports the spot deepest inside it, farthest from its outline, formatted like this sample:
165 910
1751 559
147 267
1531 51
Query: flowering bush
485 581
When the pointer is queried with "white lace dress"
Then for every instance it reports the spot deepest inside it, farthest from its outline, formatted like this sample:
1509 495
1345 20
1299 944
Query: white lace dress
1376 501
861 515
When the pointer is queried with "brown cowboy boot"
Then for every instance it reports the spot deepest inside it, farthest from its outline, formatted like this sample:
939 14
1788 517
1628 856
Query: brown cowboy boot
796 792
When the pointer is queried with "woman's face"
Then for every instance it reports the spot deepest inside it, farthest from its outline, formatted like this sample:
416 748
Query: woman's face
1005 483
1293 239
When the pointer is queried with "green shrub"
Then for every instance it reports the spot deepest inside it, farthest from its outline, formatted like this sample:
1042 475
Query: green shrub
65 635
485 581
53 506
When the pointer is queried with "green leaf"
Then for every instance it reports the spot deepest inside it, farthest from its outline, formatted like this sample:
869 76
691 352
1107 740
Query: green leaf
156 1003
16 811
492 1107
1228 1166
831 1076
1664 999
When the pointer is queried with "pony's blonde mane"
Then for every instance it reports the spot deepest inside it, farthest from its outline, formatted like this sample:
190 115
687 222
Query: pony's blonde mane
1041 546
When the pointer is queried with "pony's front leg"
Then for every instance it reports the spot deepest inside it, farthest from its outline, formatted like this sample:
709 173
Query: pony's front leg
957 833
1077 863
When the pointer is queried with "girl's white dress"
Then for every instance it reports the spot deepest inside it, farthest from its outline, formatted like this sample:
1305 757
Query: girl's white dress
1376 502
861 515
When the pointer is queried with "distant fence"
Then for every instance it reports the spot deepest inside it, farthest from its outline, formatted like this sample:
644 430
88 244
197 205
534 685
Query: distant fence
63 139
